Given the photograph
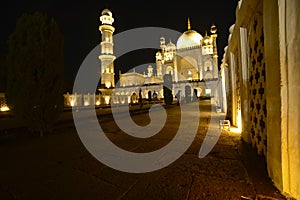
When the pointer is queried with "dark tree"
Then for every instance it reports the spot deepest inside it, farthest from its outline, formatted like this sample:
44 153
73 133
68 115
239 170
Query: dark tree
167 88
35 72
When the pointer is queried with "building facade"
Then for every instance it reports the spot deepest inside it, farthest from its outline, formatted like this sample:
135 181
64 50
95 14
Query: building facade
260 71
193 59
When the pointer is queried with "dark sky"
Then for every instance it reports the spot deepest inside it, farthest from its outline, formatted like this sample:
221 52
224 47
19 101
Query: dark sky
79 22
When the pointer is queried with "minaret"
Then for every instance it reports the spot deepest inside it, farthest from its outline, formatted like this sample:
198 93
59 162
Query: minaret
107 53
158 59
163 44
150 71
214 36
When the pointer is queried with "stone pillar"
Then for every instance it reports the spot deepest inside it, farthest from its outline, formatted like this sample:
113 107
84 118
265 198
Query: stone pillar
233 83
224 79
244 84
289 27
282 43
271 46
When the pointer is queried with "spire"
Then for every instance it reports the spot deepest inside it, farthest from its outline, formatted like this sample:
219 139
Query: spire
189 24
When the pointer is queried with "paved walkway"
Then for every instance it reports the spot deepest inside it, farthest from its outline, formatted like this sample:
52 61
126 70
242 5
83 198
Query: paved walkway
58 166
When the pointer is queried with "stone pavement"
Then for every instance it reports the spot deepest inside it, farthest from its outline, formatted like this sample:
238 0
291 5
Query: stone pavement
58 166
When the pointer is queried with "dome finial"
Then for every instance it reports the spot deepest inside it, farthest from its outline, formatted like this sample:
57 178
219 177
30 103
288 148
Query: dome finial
213 29
189 24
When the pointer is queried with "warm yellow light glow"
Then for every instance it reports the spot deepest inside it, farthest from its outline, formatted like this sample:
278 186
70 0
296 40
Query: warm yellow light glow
4 108
86 103
108 84
97 103
72 103
208 91
238 129
239 121
107 99
115 101
235 130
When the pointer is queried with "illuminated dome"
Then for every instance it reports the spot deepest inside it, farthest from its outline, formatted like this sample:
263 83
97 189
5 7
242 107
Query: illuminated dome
106 12
171 46
189 38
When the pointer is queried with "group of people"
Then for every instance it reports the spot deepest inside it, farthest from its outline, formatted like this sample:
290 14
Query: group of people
152 98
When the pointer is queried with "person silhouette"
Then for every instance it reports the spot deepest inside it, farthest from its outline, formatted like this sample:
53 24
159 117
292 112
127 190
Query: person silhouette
178 97
140 98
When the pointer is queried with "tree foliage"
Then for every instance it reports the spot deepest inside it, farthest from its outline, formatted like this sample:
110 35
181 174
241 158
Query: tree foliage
35 71
2 75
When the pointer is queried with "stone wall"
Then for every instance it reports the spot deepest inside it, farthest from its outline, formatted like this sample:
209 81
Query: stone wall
257 85
263 59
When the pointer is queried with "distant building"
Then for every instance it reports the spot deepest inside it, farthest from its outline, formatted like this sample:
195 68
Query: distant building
194 58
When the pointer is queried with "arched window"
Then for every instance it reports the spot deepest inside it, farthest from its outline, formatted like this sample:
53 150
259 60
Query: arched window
169 70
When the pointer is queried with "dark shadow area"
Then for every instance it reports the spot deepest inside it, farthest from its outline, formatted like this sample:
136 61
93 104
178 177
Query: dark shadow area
257 171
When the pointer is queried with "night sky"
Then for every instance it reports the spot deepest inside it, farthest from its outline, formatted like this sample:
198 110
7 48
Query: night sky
79 22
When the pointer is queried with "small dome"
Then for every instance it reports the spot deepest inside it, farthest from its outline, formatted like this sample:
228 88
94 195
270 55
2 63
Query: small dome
106 12
225 48
213 29
231 28
229 38
158 55
189 38
171 46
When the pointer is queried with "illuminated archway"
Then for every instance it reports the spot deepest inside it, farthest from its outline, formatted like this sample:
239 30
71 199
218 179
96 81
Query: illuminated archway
188 68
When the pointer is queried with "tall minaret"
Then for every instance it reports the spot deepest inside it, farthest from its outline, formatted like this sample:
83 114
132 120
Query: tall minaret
107 52
214 36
